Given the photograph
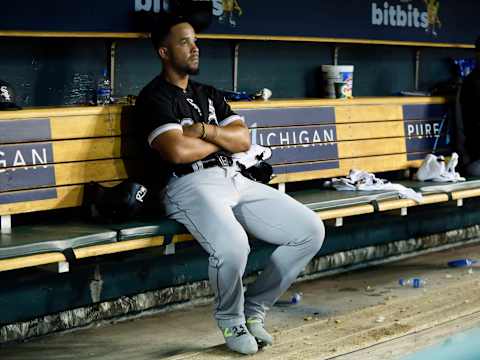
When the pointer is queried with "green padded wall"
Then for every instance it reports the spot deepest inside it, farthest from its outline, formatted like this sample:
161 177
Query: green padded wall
64 71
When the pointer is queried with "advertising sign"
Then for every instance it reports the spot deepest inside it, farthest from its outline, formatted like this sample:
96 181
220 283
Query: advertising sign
398 20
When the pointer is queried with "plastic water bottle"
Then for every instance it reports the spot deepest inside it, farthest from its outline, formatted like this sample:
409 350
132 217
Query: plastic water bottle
296 298
461 263
104 89
413 282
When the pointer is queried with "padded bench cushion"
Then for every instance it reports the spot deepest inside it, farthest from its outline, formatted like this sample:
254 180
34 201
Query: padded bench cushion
431 187
323 199
28 240
147 227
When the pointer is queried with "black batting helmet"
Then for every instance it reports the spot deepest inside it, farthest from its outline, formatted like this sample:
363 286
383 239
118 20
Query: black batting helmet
118 203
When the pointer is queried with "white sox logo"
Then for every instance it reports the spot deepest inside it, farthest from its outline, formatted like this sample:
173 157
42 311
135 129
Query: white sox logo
141 194
5 93
195 106
212 116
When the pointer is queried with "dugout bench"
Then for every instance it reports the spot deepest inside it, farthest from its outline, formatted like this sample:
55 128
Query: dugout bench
47 155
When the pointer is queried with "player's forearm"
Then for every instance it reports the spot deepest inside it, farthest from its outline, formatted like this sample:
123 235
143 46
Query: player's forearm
233 138
189 149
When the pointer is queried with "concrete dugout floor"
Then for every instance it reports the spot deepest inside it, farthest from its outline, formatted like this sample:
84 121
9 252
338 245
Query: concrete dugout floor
357 315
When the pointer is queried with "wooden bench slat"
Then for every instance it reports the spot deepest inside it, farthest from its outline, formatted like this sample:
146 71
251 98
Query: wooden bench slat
180 238
64 174
73 127
293 116
67 150
403 203
57 127
335 151
128 245
424 111
387 100
60 111
31 260
86 149
316 134
82 172
350 114
465 194
345 212
356 131
350 149
64 197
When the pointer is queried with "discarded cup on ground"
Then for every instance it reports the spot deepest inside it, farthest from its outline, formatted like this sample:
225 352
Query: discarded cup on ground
296 298
413 282
462 262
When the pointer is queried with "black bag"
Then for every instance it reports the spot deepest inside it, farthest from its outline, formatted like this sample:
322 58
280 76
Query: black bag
113 204
261 172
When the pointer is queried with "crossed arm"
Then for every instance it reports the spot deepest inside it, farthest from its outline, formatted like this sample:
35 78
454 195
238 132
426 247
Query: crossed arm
198 141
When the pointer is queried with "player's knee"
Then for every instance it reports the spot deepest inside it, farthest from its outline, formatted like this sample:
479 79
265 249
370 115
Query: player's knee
235 255
316 235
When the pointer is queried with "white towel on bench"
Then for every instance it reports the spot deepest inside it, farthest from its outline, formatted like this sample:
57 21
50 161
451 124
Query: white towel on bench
365 181
434 168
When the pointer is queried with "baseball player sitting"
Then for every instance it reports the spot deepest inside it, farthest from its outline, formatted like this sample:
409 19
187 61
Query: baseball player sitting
190 133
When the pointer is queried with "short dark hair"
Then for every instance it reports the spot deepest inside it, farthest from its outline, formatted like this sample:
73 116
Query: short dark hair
197 13
162 26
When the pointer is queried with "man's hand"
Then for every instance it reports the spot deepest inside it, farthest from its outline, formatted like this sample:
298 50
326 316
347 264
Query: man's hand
178 148
195 130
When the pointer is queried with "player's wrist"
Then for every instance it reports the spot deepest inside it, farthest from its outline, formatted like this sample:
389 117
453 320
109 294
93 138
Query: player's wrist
211 132
203 134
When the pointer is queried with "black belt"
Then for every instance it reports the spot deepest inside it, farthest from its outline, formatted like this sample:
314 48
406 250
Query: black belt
216 160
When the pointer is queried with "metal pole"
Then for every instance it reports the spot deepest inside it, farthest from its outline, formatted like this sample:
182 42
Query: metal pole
235 66
113 51
417 69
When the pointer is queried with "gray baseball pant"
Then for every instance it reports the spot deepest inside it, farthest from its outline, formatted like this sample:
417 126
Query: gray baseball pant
219 206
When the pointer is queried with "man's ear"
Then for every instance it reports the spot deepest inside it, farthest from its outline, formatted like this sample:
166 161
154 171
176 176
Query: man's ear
163 53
